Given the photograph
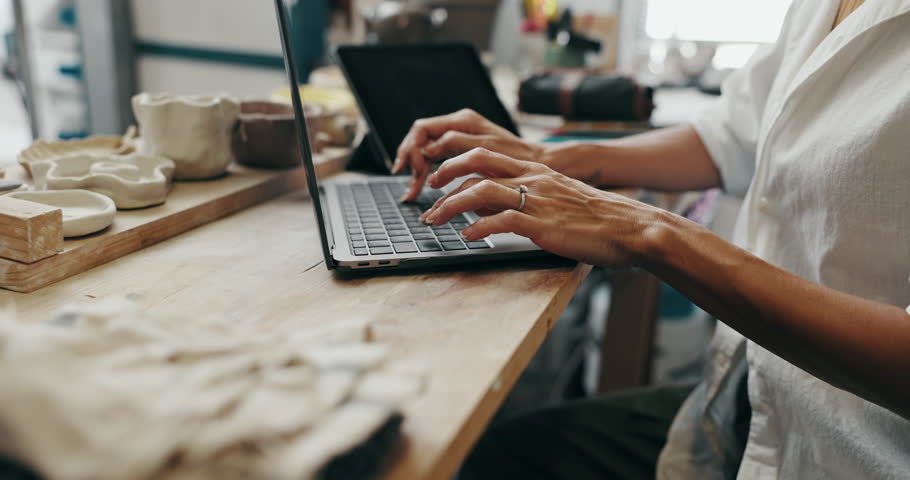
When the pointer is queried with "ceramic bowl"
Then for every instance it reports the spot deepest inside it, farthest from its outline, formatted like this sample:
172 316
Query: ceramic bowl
338 120
99 144
84 212
266 134
131 181
192 130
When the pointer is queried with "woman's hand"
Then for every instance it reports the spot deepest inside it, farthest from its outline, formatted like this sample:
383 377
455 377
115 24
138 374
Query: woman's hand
437 138
561 215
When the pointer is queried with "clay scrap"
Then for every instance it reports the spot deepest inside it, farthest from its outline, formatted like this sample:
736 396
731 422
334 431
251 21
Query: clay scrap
207 398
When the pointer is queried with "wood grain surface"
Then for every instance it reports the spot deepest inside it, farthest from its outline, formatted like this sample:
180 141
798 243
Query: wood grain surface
189 205
29 231
473 329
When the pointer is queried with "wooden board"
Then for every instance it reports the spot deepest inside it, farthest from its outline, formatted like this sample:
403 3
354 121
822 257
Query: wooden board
473 329
189 205
29 231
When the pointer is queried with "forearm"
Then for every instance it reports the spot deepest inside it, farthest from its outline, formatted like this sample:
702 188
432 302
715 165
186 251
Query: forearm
670 159
853 343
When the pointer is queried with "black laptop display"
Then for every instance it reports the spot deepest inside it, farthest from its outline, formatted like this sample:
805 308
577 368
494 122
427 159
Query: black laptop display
396 85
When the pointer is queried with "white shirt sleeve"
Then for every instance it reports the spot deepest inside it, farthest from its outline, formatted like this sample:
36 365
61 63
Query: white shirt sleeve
729 128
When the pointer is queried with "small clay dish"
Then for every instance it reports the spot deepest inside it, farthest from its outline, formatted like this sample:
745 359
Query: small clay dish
131 181
84 212
266 134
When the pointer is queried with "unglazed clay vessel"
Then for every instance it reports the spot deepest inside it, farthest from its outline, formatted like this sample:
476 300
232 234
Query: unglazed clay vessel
84 212
266 134
99 144
131 181
192 130
338 121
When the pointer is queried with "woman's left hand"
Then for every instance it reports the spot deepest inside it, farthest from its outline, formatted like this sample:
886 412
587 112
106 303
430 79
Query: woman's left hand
561 215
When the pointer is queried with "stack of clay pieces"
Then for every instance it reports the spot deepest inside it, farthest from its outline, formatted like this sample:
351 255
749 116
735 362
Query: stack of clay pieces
175 398
90 178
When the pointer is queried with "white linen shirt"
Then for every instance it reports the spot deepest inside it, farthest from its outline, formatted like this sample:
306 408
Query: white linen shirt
816 130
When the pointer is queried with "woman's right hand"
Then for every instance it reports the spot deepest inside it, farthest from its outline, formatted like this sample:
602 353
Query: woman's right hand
446 136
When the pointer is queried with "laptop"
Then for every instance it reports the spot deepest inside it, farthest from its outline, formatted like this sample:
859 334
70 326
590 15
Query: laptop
363 226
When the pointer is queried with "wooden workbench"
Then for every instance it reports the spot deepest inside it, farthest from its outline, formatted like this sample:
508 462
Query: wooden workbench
474 329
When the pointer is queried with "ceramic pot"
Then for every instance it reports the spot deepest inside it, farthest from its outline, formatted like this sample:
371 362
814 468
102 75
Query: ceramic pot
192 130
84 212
132 181
266 134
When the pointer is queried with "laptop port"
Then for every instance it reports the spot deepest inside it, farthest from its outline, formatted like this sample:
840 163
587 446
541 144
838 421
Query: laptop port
363 264
385 262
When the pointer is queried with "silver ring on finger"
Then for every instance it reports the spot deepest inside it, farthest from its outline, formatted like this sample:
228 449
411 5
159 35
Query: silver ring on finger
523 192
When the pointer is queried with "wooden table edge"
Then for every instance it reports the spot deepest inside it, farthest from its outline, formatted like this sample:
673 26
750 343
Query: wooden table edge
452 457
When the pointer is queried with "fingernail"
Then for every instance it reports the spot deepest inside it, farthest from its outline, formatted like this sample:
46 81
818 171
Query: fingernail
466 235
430 218
404 198
397 166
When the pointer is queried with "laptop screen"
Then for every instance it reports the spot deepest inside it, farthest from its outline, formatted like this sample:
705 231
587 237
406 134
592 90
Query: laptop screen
398 84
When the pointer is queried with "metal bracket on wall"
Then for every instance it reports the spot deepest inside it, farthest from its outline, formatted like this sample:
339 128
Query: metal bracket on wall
23 67
105 28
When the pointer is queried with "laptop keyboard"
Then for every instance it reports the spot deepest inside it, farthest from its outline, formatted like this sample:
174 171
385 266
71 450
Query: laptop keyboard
378 224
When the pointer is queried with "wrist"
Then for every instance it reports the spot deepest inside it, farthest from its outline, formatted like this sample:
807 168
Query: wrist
662 233
579 160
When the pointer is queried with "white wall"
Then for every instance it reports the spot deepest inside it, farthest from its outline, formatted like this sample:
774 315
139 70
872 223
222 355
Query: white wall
247 26
241 25
174 75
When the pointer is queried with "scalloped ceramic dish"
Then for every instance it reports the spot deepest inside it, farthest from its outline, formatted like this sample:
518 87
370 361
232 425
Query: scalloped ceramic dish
131 181
84 212
42 150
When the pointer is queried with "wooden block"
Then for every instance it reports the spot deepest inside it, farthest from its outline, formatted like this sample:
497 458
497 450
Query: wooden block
29 231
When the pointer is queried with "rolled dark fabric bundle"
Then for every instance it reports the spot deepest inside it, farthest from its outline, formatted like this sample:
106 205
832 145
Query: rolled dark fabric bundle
585 96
